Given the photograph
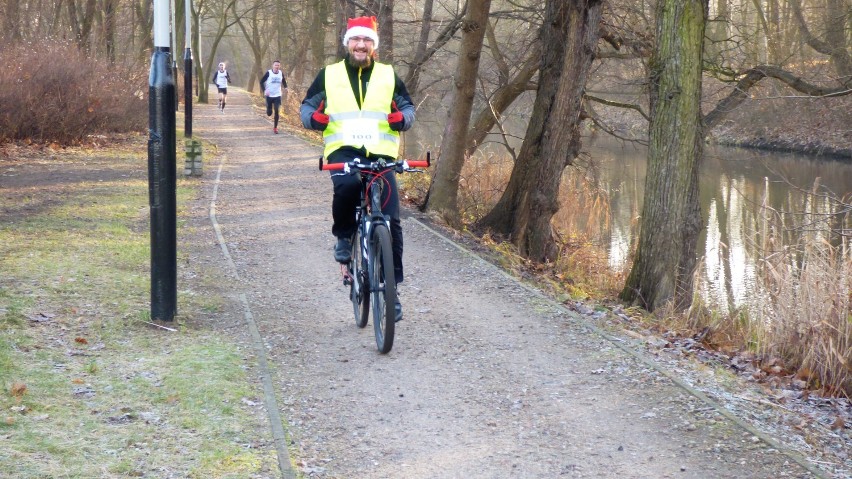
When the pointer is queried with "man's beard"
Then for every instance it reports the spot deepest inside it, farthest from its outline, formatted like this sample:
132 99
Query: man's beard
365 63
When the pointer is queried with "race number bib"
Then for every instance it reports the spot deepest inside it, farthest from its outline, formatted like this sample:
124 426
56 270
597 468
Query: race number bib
361 132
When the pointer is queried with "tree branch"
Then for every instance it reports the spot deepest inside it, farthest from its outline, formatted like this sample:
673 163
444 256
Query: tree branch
751 78
618 104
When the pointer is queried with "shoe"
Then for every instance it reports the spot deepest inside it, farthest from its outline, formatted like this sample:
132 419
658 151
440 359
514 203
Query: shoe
343 250
275 130
398 309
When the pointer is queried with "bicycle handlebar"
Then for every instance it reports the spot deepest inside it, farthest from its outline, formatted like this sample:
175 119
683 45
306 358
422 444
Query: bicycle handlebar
404 165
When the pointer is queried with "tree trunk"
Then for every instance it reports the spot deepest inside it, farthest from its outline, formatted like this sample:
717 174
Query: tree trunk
11 30
222 28
258 41
665 259
319 17
110 7
552 140
561 141
144 13
718 36
772 55
200 81
345 11
412 77
443 193
82 22
383 10
835 45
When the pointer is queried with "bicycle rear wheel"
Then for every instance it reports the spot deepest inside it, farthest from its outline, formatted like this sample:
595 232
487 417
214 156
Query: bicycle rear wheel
359 287
382 287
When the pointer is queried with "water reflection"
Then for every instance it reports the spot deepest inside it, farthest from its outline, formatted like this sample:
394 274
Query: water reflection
735 185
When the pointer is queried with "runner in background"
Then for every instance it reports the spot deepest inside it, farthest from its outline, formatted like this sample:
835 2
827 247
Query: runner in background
221 78
273 85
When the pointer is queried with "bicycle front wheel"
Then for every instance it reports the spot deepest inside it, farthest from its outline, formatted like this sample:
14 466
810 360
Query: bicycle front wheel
359 287
382 287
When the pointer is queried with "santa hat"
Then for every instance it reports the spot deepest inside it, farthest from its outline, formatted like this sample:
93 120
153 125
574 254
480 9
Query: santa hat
362 27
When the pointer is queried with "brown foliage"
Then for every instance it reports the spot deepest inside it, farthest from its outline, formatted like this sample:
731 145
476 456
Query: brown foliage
52 92
18 390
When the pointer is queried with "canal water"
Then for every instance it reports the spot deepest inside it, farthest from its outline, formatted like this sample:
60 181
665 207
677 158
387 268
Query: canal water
741 190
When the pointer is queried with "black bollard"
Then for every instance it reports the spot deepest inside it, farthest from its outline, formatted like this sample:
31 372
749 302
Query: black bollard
161 186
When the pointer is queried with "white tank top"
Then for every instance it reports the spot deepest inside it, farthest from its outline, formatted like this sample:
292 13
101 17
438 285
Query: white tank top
222 79
273 83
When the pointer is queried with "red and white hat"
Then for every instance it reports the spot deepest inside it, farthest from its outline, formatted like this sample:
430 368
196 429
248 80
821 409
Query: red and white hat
362 27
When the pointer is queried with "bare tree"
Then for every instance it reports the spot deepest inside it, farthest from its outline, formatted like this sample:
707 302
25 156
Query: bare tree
515 84
424 52
552 140
224 22
109 10
81 19
443 193
834 39
665 259
11 27
257 30
319 24
383 11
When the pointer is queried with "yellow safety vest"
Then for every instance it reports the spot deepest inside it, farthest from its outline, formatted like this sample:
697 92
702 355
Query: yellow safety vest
367 126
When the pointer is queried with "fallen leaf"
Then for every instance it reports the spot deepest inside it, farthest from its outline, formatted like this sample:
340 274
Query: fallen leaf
77 381
18 390
839 424
81 340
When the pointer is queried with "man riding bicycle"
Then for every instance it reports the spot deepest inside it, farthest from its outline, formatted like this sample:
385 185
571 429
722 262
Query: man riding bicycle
360 105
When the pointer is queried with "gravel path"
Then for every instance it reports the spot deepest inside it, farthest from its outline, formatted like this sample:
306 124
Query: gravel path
485 380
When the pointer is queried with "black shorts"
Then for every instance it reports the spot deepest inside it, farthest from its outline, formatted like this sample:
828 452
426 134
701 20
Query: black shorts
223 90
273 100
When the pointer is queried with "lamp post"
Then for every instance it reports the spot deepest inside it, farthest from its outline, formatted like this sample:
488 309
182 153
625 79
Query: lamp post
174 47
161 170
187 73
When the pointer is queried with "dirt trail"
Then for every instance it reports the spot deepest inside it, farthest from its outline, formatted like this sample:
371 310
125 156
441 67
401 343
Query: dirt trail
485 380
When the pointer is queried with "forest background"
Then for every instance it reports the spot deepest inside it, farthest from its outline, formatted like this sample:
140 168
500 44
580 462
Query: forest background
521 84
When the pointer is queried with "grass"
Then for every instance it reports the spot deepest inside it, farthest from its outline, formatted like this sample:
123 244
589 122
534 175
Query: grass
86 389
803 315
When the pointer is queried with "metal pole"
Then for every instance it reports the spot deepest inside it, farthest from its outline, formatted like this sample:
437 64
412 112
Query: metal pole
187 74
161 171
173 14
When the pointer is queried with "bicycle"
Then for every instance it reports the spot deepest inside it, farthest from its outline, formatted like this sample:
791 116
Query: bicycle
370 273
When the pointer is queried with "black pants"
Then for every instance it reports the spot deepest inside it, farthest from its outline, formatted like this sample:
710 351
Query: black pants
347 194
273 102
